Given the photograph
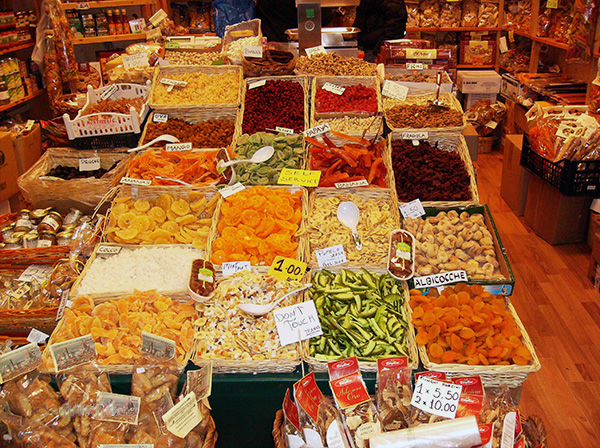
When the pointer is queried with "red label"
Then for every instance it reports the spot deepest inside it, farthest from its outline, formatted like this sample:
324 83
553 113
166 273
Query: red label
349 390
486 431
343 367
469 405
395 369
305 402
440 376
290 410
309 384
397 362
520 443
518 426
471 385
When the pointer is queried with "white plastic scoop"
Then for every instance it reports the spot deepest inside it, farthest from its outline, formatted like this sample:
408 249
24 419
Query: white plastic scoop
260 156
348 214
261 310
161 138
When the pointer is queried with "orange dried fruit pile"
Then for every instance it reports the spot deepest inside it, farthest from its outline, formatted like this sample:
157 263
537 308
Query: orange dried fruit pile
117 325
257 224
467 325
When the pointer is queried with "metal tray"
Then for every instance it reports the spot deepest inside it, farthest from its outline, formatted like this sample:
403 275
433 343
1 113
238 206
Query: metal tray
347 32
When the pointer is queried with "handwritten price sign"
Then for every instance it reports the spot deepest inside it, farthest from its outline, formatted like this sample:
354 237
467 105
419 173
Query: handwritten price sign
287 269
436 397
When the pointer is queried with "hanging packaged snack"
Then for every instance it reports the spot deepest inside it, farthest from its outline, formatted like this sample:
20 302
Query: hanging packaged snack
544 20
488 14
291 422
430 13
581 32
394 392
470 13
52 71
450 14
64 44
413 18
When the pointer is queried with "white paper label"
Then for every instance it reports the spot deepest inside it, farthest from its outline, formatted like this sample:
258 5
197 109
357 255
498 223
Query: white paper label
317 130
109 92
354 183
43 243
183 417
231 267
294 441
443 278
160 118
19 361
89 164
154 33
312 437
29 125
233 189
436 397
508 430
173 82
158 17
331 256
320 49
138 182
414 135
297 320
72 353
64 303
135 60
256 84
117 408
81 6
35 271
37 336
334 436
178 146
108 250
414 66
492 124
413 209
253 51
503 45
157 346
284 130
393 89
334 88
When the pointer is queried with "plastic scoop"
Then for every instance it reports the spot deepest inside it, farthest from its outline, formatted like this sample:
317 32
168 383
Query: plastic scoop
348 214
173 180
260 310
260 156
161 138
437 104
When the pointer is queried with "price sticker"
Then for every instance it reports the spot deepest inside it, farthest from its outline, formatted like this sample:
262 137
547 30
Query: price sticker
331 256
110 91
36 272
37 336
231 190
503 45
436 397
158 17
415 66
82 6
89 164
414 135
317 130
154 33
287 269
231 267
135 60
319 49
352 184
306 178
256 84
108 250
413 209
444 278
183 417
253 51
160 118
136 182
553 4
297 323
178 146
393 89
334 88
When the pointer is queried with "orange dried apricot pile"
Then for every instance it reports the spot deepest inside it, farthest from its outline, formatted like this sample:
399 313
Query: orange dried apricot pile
257 224
467 325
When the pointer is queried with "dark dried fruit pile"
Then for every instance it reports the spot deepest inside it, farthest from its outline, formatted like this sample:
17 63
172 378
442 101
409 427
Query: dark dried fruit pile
71 172
429 174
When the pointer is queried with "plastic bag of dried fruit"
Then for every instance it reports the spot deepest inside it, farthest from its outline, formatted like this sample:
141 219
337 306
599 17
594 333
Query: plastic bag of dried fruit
581 31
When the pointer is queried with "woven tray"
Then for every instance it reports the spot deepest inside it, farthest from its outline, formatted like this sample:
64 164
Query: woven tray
84 194
321 366
344 81
278 435
377 194
450 143
165 71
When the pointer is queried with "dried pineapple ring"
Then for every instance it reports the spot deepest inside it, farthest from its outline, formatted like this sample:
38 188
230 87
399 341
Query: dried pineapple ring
125 219
127 234
182 238
200 204
142 223
119 209
203 231
180 207
199 243
171 216
164 201
160 233
187 219
142 205
158 214
171 227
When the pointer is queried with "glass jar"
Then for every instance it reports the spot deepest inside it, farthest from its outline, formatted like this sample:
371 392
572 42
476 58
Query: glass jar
46 238
30 239
23 223
7 231
12 243
72 217
52 221
64 238
38 215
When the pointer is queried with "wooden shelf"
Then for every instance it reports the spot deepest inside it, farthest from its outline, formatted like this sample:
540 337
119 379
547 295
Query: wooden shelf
112 38
433 29
24 100
475 66
552 42
14 48
109 4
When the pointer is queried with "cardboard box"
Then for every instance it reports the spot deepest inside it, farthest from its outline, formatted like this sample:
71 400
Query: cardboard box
593 228
515 178
479 81
471 98
28 149
472 139
556 218
8 168
511 86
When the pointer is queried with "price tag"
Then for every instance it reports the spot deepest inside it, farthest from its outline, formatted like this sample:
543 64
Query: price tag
287 269
135 60
73 353
231 267
29 125
158 17
89 164
354 183
306 178
415 66
200 381
334 88
503 45
109 92
157 346
477 44
19 361
492 124
183 417
418 53
414 135
117 408
178 146
320 49
553 4
443 278
160 118
413 209
317 130
137 182
436 397
297 322
81 6
253 51
37 337
108 250
256 84
172 83
154 33
233 189
64 303
137 25
35 271
393 89
331 256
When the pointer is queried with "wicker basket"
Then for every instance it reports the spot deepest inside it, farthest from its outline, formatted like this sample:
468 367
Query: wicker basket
84 194
170 70
252 67
450 143
377 194
491 376
278 435
420 87
211 436
197 116
321 366
11 258
344 81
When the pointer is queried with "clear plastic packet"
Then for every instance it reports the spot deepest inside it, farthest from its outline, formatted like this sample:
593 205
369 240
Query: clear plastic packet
394 393
523 17
511 8
430 13
450 14
418 416
470 13
52 71
31 434
197 436
108 433
581 32
488 14
544 22
152 380
64 36
542 135
498 403
413 17
560 23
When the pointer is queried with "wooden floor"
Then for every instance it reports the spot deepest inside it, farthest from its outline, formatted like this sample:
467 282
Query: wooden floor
561 312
